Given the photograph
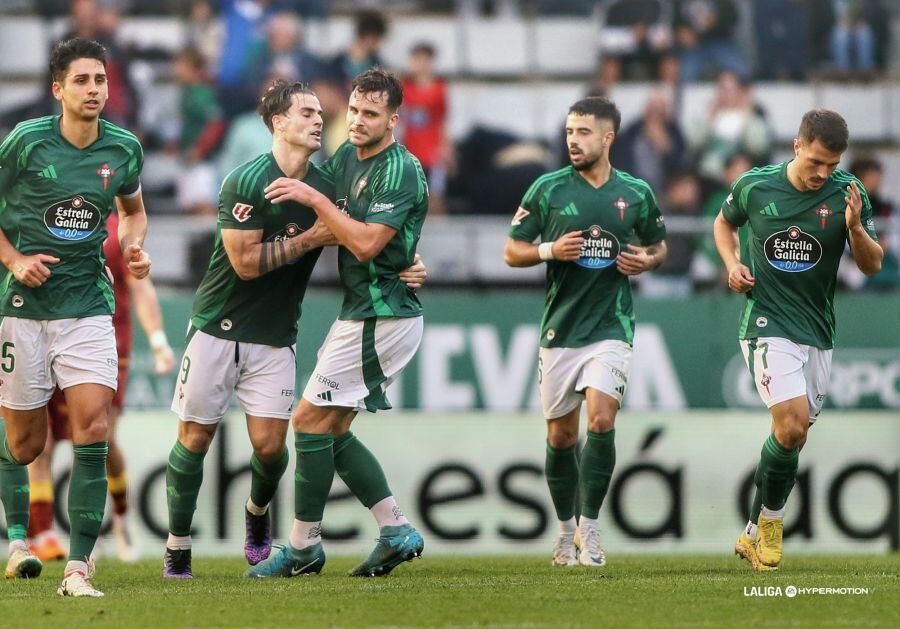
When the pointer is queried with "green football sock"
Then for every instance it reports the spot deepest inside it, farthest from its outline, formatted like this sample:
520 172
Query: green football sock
13 490
561 470
315 472
87 498
264 478
778 471
360 470
184 475
756 507
598 459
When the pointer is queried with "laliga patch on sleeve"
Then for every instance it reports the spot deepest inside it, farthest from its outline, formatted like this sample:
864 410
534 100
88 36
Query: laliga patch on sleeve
241 211
730 199
520 214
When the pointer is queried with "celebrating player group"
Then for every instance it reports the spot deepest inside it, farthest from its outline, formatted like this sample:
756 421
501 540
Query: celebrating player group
592 225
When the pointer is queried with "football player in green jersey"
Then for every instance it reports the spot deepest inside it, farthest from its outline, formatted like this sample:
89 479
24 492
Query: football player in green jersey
244 322
382 191
585 215
799 216
59 177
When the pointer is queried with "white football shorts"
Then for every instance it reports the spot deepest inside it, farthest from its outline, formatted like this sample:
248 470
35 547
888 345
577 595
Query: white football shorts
565 372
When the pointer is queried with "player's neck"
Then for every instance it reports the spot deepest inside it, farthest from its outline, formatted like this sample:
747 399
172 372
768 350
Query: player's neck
365 152
79 133
791 173
292 160
598 174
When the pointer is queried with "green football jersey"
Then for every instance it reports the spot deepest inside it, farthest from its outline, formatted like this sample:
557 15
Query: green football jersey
54 199
588 300
793 245
388 188
266 309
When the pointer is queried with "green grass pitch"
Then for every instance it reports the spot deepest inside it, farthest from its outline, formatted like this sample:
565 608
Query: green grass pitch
521 591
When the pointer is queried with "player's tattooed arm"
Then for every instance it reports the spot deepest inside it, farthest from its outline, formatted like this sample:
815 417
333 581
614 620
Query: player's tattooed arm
639 260
251 257
867 253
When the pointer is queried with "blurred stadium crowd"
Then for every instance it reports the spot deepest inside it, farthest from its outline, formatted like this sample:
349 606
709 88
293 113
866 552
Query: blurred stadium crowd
185 76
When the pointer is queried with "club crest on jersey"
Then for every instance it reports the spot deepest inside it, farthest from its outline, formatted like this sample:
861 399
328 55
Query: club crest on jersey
520 214
792 250
105 173
241 211
621 205
361 184
824 212
72 219
599 250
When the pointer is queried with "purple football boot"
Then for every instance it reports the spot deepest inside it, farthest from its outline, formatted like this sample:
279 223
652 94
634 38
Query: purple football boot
258 542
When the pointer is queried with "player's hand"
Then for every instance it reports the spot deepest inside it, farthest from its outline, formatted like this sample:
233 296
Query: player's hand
634 263
321 235
568 247
163 359
32 270
287 189
740 280
853 211
138 261
414 276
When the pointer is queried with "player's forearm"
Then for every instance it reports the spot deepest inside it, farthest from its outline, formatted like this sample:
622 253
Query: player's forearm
657 253
867 253
8 253
362 241
132 223
146 305
727 244
518 253
272 255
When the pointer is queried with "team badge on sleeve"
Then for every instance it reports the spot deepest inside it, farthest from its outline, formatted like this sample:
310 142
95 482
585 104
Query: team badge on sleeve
520 214
241 211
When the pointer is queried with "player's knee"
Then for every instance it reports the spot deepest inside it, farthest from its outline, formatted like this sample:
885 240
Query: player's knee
195 441
601 421
25 450
269 452
792 433
560 437
97 430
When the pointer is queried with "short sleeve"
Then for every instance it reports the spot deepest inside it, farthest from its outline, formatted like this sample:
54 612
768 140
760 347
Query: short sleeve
732 207
132 182
9 168
395 196
866 216
239 208
651 228
528 221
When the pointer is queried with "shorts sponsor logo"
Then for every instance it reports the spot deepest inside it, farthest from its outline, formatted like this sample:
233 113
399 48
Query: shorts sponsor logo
112 362
328 382
241 211
72 219
18 301
324 396
287 393
599 250
761 322
520 214
225 324
792 250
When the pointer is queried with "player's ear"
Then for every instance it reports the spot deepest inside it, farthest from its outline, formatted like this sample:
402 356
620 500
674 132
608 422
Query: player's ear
797 145
56 90
393 120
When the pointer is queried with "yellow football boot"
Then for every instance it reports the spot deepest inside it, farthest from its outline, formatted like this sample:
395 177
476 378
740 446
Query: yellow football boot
769 543
745 548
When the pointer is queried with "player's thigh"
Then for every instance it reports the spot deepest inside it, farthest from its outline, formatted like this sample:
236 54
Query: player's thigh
88 405
605 371
267 436
195 436
206 379
320 420
26 432
776 366
602 409
817 373
265 384
557 373
83 351
26 379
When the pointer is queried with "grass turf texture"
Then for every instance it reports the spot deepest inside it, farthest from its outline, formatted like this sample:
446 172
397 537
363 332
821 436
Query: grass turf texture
635 591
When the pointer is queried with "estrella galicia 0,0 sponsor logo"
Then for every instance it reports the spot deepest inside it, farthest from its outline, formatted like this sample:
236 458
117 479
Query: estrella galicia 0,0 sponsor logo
792 250
600 248
72 219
